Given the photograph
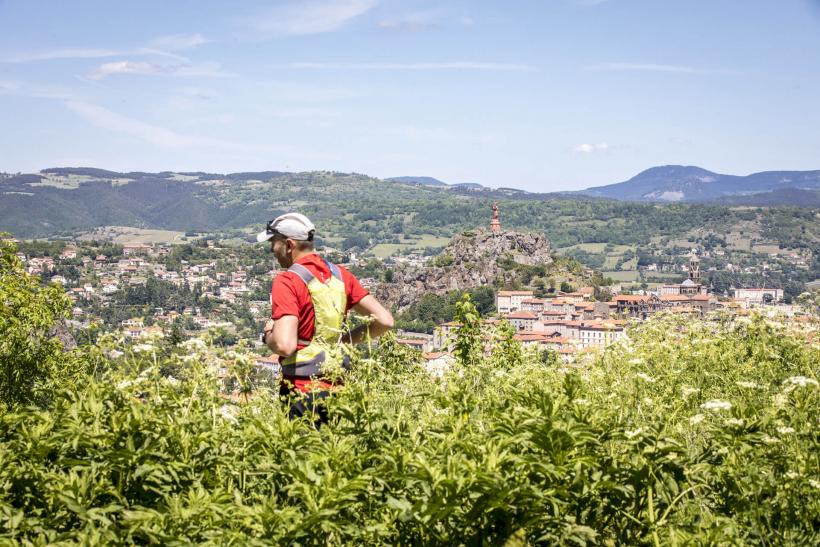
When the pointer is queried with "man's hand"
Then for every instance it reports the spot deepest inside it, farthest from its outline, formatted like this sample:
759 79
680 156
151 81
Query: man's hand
382 321
268 326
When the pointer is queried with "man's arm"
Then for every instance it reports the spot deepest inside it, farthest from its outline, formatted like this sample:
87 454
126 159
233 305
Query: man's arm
382 321
281 337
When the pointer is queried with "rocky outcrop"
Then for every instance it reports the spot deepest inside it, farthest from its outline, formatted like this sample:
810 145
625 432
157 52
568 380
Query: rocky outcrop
472 259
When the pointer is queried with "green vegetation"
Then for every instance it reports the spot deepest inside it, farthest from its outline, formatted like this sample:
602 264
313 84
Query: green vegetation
691 433
432 310
371 217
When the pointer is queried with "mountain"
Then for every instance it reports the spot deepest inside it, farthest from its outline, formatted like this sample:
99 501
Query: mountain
424 181
472 259
690 183
784 196
467 186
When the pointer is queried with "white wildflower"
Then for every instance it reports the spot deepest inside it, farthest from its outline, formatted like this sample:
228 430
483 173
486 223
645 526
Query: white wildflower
195 344
139 348
792 475
696 419
226 411
124 384
716 404
800 381
768 439
646 378
785 430
687 391
734 421
113 354
500 373
814 483
173 381
636 361
748 385
582 402
633 433
780 400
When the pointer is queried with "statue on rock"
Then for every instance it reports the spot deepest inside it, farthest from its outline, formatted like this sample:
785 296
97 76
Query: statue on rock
495 224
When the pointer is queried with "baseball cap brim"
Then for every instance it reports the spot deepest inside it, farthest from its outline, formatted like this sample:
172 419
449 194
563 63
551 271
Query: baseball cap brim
261 237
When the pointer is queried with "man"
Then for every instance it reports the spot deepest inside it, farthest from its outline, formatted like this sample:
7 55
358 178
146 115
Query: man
308 306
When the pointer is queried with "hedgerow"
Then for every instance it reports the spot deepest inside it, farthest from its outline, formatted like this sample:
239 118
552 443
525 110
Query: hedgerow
689 433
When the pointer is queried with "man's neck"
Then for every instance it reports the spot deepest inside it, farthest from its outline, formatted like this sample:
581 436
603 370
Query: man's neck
298 255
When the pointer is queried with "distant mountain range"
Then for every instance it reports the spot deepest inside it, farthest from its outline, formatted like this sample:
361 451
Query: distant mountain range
689 183
672 183
423 181
68 200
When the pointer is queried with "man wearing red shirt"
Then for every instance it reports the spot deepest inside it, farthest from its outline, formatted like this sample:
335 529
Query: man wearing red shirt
310 284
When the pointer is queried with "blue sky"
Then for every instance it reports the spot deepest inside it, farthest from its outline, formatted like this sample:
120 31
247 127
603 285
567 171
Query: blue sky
542 95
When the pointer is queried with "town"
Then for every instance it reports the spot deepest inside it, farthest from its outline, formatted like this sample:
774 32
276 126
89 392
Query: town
143 291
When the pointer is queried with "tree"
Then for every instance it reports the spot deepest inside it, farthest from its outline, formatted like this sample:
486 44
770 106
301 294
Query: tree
32 361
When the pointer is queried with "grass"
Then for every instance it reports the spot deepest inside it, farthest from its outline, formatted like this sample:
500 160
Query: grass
631 275
383 250
127 234
767 249
588 247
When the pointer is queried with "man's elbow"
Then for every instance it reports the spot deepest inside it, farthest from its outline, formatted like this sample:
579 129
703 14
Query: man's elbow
284 347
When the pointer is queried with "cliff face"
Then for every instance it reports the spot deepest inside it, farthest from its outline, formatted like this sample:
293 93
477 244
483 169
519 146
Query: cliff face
471 260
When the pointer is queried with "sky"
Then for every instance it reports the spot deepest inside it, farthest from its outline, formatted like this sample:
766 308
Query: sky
541 95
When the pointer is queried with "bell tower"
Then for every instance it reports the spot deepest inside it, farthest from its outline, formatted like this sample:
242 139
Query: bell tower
694 268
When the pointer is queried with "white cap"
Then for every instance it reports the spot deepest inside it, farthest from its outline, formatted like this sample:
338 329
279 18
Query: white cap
291 225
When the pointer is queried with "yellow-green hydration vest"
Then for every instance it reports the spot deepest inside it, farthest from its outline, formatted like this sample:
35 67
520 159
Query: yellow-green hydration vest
329 303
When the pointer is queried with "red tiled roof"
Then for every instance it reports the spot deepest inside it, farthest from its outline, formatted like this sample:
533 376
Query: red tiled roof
521 315
631 298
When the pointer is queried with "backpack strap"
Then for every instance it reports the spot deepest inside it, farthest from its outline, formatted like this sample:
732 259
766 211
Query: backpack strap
334 270
302 272
305 275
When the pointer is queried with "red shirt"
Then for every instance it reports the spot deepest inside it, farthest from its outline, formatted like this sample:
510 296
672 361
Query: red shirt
290 296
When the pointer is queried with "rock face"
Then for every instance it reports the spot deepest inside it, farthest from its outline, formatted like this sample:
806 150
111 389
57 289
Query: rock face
473 259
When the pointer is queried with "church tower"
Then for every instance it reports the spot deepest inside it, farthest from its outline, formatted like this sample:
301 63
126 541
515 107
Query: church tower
694 269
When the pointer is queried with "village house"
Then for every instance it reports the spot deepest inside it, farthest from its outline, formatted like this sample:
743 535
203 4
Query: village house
510 301
757 296
522 320
130 249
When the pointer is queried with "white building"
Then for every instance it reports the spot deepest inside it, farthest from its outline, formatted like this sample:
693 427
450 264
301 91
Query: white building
758 296
510 301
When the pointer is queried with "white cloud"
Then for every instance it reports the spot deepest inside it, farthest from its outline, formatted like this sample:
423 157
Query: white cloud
179 41
586 148
63 53
652 67
457 65
154 134
309 17
141 67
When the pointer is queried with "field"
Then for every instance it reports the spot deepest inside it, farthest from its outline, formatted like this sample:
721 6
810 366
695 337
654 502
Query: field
383 250
127 234
632 275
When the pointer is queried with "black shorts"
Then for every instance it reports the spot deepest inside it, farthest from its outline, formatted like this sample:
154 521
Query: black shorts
303 404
